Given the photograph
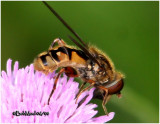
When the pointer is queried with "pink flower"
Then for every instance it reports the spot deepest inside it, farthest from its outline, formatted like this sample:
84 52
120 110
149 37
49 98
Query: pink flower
26 91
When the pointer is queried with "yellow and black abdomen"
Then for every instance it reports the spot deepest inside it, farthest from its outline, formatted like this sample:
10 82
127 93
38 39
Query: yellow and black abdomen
60 57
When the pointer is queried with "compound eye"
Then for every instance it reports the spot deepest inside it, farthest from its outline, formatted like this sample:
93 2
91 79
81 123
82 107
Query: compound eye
116 88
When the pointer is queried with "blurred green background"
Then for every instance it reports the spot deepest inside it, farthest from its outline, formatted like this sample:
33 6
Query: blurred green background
127 31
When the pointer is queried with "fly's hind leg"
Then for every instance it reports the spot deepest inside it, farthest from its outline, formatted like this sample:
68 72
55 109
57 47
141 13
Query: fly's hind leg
59 41
55 83
69 71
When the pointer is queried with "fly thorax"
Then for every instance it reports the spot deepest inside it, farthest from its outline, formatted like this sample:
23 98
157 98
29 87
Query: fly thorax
92 71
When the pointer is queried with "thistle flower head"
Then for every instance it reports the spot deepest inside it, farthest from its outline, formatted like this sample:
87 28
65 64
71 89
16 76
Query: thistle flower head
25 90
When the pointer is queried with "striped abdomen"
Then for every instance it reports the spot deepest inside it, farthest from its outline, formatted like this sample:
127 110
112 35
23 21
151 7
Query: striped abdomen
60 57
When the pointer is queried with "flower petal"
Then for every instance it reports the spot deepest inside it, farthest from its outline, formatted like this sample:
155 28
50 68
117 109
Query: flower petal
26 90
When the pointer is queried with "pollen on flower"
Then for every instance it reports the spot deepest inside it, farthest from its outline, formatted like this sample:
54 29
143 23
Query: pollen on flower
25 92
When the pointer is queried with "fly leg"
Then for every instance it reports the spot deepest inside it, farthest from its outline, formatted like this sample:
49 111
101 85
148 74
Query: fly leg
59 41
55 83
81 87
106 98
83 91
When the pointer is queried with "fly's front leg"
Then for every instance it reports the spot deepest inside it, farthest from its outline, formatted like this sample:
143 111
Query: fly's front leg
106 98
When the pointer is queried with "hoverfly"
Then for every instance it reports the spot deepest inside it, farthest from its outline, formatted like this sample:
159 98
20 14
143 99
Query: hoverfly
88 63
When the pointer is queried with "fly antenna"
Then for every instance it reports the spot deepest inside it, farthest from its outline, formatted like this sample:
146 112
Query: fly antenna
64 23
85 50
